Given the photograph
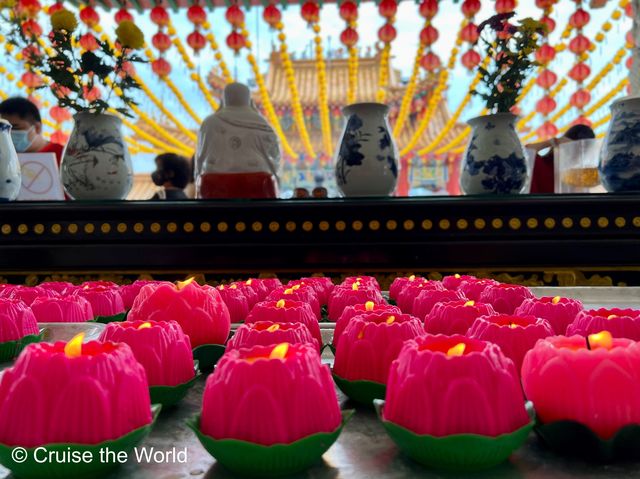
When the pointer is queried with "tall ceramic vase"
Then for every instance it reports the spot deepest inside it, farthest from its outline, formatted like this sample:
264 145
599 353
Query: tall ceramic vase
96 164
10 176
367 159
620 155
494 162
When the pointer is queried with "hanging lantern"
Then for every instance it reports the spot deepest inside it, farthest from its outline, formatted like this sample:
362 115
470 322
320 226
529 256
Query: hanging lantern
196 14
161 41
59 137
429 8
429 35
548 22
387 33
59 91
348 11
31 80
628 9
579 44
159 16
388 8
629 63
161 67
56 7
272 15
469 33
547 130
235 16
545 4
545 54
349 37
123 15
310 12
546 105
629 39
31 28
91 94
546 79
89 16
505 6
89 42
579 72
471 59
128 69
582 120
580 99
580 18
470 8
59 114
31 52
196 40
28 8
235 41
430 62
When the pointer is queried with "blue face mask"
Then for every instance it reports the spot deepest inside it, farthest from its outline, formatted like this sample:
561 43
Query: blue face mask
20 139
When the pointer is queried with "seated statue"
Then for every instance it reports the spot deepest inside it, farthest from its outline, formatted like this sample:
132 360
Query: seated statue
238 155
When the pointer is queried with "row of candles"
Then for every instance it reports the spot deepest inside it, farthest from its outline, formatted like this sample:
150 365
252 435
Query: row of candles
470 351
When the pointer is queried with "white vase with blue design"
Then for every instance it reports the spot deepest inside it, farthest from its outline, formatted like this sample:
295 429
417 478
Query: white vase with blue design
96 164
620 155
367 158
10 176
495 161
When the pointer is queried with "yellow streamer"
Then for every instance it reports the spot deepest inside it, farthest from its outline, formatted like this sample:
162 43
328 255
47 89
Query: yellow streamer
323 97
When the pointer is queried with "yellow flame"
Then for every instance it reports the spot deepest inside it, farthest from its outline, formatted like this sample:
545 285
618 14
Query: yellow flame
470 303
361 334
555 300
612 316
73 348
456 276
248 282
369 305
514 326
295 287
233 286
221 287
391 319
273 327
603 339
280 351
280 304
288 291
457 350
354 286
183 284
144 326
412 277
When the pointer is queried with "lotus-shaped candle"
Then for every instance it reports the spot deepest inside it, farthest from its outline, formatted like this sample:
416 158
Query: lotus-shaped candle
505 298
473 288
351 312
106 302
321 284
128 292
410 292
559 312
99 284
400 282
62 309
621 323
455 280
344 296
60 287
365 281
258 287
286 311
267 333
236 302
298 292
271 283
455 317
427 299
27 294
18 327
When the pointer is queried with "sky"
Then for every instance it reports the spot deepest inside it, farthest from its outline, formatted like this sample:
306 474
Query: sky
408 24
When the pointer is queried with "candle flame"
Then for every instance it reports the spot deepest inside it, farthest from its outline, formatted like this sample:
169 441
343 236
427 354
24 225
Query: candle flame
295 287
73 348
457 350
273 328
221 287
280 351
280 304
233 286
288 291
361 334
144 325
612 316
412 277
602 339
391 319
514 325
555 300
456 276
183 284
369 305
470 303
354 286
248 282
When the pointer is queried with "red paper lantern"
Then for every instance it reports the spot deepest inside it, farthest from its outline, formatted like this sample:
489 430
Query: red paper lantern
629 63
388 8
310 12
235 16
89 42
547 130
629 38
470 8
59 91
29 8
128 69
429 8
123 15
196 40
579 72
471 59
546 105
348 11
89 16
59 137
56 7
31 80
544 4
387 33
546 79
159 16
580 99
582 120
628 9
580 18
349 37
31 28
469 33
161 41
161 67
579 44
196 14
505 6
272 15
30 52
429 35
430 62
235 41
91 94
59 114
545 54
549 22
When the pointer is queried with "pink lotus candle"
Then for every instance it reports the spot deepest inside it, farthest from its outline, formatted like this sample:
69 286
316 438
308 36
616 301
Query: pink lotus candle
270 395
473 288
99 284
410 292
367 308
72 393
64 309
286 311
271 283
322 286
199 310
399 283
367 281
514 334
267 333
428 298
594 381
559 312
455 317
236 302
258 287
128 292
344 296
60 287
27 293
467 386
16 320
249 292
298 292
505 298
105 301
161 347
621 323
455 280
370 343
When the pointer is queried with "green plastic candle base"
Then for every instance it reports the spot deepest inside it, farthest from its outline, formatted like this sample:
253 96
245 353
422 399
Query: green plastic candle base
111 319
363 392
458 452
11 349
208 355
250 459
572 438
90 465
169 396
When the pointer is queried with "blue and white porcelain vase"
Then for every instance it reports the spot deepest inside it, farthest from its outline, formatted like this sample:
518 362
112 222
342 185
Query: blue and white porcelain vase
367 159
10 176
96 164
620 155
495 161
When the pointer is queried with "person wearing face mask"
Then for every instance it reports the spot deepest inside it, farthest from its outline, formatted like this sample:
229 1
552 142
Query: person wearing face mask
173 173
26 127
